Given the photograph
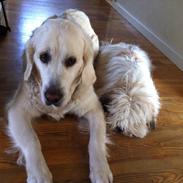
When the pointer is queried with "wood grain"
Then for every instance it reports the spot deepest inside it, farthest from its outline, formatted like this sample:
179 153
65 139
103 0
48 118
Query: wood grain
158 158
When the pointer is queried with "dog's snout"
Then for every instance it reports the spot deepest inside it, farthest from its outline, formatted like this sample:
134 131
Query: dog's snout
53 95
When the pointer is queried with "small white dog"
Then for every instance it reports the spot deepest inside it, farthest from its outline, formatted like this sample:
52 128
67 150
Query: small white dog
126 89
58 79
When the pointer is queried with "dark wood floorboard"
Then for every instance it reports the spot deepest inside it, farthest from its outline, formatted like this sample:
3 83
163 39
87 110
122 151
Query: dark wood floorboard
158 158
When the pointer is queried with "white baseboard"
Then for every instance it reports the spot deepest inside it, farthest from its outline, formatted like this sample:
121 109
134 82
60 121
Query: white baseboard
0 13
175 57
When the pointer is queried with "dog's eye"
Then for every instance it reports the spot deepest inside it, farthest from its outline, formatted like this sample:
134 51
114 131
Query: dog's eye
70 61
45 57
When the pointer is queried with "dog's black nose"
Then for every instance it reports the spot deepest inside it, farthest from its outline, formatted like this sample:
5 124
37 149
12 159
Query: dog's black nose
53 95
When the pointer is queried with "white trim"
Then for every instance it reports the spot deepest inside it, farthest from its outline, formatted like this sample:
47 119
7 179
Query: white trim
0 13
175 57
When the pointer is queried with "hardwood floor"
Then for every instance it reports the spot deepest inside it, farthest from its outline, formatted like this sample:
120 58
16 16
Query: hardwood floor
158 158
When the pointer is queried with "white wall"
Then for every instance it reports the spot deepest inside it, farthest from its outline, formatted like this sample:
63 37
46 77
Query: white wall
161 21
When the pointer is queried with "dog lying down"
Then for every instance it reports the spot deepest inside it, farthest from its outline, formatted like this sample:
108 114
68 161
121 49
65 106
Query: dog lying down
59 78
126 89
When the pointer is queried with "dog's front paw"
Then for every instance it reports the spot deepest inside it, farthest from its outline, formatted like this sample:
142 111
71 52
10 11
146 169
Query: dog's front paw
43 176
40 179
101 175
138 131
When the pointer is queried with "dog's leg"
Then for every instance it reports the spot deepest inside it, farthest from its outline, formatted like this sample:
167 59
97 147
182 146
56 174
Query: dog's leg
99 168
21 131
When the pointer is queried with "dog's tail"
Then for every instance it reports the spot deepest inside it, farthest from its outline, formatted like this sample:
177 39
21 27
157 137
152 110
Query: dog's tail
132 106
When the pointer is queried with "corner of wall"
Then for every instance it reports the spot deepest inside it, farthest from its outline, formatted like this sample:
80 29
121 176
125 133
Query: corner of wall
175 57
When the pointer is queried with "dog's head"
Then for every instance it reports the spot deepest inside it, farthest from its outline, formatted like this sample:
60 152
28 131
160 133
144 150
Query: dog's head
59 55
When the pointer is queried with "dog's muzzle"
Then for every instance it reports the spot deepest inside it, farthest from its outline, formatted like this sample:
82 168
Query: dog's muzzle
53 95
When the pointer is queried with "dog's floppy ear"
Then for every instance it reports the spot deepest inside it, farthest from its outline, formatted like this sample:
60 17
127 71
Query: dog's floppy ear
88 75
29 53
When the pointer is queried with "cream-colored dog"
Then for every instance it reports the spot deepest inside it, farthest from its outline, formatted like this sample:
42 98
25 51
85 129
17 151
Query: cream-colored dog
58 79
126 89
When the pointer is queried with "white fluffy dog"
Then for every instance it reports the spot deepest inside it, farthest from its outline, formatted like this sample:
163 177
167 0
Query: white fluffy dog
126 89
58 79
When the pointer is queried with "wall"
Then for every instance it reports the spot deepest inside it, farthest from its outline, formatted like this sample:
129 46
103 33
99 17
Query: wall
161 21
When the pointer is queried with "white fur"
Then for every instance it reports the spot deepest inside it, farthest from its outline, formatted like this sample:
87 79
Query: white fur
83 21
124 78
62 37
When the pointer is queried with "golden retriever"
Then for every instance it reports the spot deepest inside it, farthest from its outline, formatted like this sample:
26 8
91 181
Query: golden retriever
58 79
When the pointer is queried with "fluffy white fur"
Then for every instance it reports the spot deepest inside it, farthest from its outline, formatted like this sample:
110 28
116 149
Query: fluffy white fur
83 21
61 37
125 86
